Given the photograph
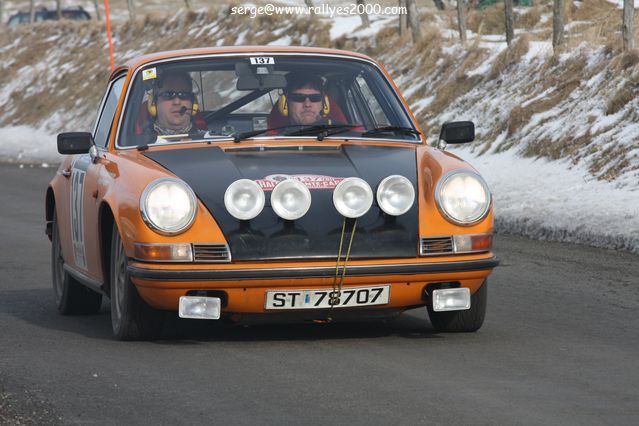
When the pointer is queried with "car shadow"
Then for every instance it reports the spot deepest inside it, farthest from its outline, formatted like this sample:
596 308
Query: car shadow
37 307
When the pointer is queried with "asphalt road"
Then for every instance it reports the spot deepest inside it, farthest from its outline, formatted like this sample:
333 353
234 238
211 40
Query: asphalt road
560 345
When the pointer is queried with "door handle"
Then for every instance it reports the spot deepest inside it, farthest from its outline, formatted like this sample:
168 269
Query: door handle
66 172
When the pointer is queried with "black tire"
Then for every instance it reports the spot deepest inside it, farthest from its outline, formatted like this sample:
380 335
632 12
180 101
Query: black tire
71 297
466 321
131 317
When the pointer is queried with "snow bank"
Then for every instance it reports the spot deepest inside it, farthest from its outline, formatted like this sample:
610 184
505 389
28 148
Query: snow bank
24 144
554 200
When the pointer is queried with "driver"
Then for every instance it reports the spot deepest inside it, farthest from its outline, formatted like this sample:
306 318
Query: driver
172 106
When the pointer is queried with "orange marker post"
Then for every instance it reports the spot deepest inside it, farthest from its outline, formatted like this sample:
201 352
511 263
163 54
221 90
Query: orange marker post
108 28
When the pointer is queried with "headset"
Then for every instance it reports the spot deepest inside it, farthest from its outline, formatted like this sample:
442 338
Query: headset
282 106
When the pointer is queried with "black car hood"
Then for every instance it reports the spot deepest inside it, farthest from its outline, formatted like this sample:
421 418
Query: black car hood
210 170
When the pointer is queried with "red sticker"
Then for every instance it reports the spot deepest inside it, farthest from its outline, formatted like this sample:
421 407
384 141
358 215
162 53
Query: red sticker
269 182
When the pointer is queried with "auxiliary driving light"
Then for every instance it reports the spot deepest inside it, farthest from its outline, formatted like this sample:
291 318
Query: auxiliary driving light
353 197
244 199
451 299
197 307
395 195
291 199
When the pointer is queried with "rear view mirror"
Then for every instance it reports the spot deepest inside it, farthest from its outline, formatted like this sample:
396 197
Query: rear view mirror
458 132
75 143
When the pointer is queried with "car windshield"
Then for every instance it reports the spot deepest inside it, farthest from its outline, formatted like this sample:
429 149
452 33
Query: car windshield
271 95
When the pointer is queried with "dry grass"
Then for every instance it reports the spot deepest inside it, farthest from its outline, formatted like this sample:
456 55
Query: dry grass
529 19
511 55
611 162
450 90
490 19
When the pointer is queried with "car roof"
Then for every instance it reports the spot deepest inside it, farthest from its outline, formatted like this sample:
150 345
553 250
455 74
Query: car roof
142 60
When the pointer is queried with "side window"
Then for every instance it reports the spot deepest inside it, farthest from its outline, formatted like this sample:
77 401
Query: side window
105 120
373 105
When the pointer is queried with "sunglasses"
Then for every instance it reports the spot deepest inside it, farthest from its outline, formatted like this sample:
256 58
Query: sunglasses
171 94
301 97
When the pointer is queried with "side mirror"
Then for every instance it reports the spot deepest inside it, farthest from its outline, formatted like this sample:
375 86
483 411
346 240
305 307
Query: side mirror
75 143
456 132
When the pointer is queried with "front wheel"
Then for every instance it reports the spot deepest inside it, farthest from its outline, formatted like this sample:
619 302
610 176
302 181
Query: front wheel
131 317
71 297
468 320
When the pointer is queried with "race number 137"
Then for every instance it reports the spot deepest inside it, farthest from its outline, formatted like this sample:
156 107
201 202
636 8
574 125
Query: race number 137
262 60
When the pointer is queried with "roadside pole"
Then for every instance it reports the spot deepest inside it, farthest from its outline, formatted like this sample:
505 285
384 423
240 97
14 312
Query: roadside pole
108 28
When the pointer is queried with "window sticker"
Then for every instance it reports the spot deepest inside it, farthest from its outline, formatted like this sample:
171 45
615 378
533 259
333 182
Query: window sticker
262 60
149 74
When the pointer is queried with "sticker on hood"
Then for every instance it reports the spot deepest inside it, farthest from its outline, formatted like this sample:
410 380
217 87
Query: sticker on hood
269 182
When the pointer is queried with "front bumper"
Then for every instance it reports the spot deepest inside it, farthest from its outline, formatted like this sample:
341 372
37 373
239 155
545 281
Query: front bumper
245 288
310 272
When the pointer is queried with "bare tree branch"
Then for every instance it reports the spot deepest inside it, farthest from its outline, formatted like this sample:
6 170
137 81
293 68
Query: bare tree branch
403 18
31 11
627 28
365 22
558 24
413 20
508 15
58 9
461 20
97 10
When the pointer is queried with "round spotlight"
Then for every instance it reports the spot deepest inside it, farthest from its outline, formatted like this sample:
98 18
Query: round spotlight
291 199
395 195
353 197
244 199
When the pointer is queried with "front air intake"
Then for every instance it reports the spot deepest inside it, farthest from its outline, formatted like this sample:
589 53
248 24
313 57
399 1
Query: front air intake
431 246
213 253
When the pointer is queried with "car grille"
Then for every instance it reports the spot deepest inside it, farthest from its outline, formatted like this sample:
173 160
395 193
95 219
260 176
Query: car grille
436 245
211 253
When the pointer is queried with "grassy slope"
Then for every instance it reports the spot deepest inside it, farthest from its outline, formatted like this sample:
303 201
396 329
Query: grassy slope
580 104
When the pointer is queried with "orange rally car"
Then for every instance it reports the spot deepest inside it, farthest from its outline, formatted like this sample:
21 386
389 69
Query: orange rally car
265 183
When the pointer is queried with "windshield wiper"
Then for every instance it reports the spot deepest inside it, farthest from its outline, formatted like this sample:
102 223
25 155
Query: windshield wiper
322 130
391 129
238 137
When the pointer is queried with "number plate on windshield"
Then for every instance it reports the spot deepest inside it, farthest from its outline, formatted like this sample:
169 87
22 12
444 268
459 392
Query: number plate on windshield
319 298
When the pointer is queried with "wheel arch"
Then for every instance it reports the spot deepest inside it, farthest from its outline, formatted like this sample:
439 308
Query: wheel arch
106 220
49 210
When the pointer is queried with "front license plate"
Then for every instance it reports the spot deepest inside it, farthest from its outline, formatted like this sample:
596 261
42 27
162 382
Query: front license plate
319 298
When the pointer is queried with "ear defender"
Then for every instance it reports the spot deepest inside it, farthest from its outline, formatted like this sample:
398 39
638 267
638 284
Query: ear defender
282 105
150 104
326 108
195 107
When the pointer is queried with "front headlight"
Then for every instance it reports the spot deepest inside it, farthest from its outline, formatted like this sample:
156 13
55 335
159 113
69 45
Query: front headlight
244 199
168 205
463 197
353 197
395 195
291 199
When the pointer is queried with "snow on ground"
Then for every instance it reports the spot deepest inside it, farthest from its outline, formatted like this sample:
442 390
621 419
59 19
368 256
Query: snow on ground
23 144
557 201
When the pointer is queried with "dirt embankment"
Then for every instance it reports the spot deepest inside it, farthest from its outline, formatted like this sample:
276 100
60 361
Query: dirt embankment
579 104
